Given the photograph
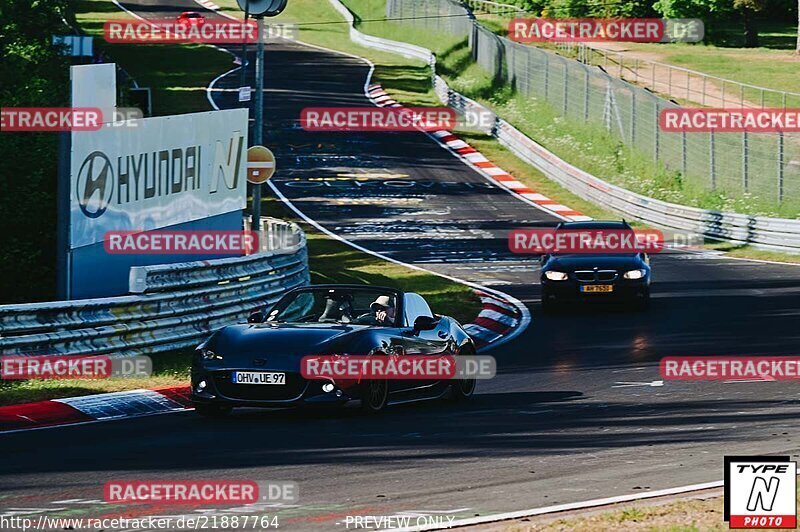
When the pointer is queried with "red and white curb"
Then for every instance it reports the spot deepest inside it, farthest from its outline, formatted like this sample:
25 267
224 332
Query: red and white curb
92 408
208 4
477 159
496 320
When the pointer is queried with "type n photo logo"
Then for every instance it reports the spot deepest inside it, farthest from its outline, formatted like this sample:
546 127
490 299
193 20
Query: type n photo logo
760 492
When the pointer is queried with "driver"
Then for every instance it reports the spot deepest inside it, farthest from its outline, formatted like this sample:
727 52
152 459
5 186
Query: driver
383 310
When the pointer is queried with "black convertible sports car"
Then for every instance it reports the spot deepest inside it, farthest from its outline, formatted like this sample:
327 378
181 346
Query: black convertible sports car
582 277
258 364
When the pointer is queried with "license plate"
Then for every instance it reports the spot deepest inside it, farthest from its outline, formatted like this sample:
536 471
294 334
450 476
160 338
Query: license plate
258 377
597 288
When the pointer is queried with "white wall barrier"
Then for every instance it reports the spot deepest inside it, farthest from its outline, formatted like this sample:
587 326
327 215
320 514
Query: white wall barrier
175 305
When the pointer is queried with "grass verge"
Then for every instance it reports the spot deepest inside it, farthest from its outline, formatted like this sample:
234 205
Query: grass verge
685 515
176 74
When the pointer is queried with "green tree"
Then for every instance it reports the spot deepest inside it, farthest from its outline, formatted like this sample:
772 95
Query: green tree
715 11
32 74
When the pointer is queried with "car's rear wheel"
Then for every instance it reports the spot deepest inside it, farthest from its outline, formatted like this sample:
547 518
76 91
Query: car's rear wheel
462 389
375 396
217 411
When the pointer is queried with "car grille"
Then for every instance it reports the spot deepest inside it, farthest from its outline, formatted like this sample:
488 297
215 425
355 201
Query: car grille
592 276
294 387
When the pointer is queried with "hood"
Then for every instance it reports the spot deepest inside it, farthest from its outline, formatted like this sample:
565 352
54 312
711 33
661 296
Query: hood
574 262
279 346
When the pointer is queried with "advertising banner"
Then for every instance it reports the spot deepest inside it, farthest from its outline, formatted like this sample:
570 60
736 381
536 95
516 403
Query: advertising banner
140 175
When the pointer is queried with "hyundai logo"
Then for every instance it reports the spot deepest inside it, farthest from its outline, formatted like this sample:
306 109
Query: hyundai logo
95 184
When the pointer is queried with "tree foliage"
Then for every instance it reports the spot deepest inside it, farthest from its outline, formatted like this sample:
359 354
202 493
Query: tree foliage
32 74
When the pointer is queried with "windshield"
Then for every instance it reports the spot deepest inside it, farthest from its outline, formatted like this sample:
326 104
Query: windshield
360 306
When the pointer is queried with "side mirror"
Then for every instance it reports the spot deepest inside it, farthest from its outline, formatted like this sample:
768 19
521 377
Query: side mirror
425 323
544 258
256 317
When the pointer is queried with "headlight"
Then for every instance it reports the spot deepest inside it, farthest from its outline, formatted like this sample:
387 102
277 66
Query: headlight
208 354
555 276
634 274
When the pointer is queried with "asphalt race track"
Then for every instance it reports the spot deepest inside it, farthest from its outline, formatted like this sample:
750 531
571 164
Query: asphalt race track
576 413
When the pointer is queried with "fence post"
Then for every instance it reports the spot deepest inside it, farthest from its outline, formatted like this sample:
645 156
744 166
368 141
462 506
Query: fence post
780 166
655 132
633 117
585 94
546 75
565 87
683 153
745 161
704 90
653 80
712 161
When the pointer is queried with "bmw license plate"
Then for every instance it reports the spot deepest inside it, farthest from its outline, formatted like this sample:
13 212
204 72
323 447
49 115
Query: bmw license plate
603 288
258 377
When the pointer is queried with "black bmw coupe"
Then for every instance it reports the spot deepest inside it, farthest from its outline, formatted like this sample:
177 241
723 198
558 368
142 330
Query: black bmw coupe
258 364
570 278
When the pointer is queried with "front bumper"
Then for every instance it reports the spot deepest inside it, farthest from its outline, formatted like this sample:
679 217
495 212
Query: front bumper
297 391
570 290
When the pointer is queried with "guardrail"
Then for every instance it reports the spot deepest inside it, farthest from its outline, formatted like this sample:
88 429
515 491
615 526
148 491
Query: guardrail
386 45
175 306
769 233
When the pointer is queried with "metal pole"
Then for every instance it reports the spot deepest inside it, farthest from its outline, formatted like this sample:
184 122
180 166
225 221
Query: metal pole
244 49
255 222
64 255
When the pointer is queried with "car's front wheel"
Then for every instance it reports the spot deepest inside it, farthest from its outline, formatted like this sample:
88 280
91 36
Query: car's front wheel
212 410
375 396
549 305
643 302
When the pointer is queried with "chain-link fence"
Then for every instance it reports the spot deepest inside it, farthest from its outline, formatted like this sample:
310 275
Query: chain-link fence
682 84
764 165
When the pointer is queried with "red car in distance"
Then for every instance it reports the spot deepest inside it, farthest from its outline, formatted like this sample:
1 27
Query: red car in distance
191 18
